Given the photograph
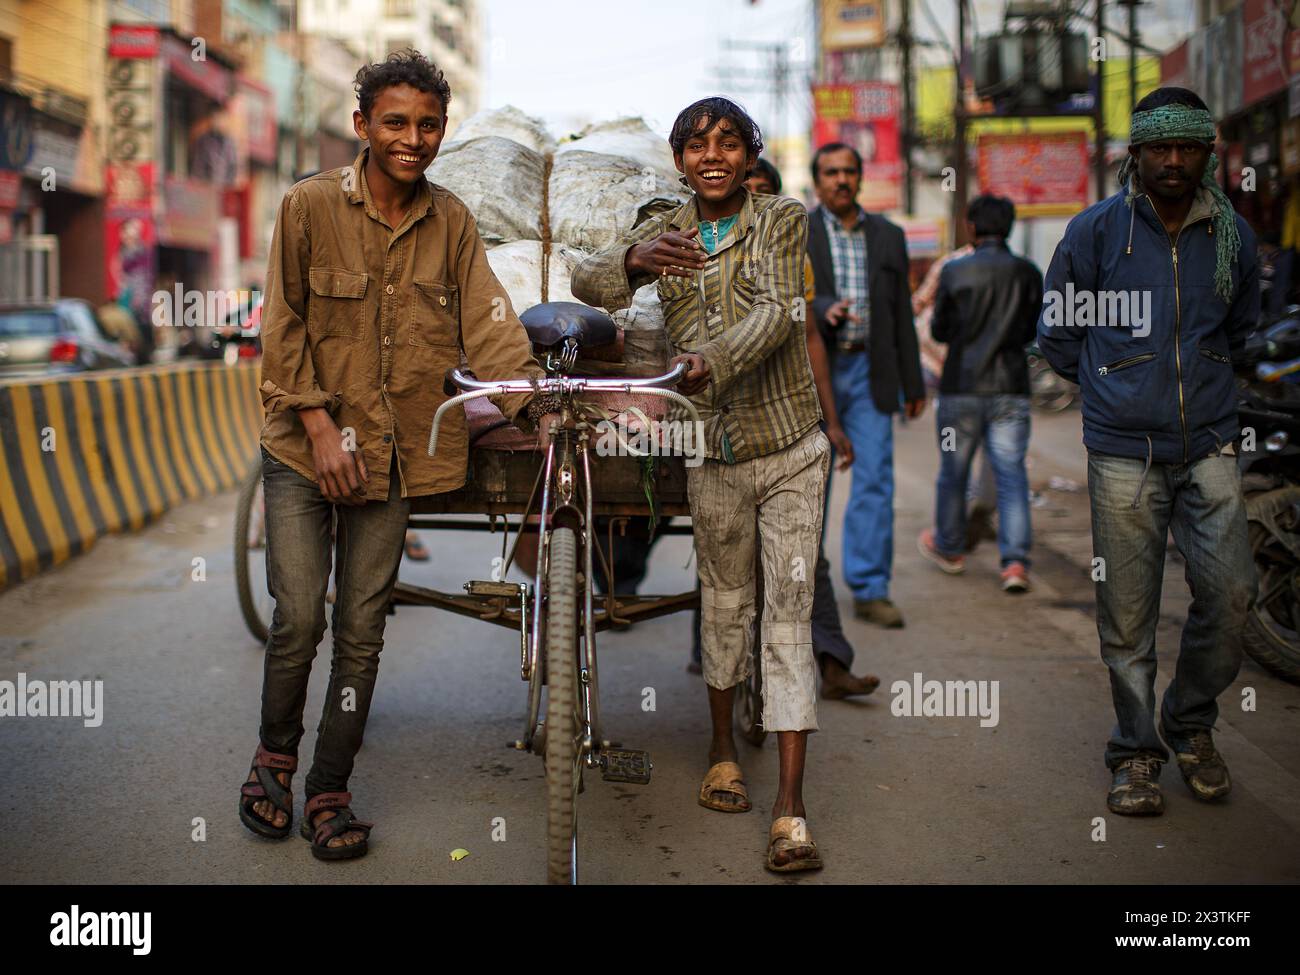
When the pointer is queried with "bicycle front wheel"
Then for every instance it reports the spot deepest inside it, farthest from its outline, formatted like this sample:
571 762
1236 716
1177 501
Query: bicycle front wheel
563 723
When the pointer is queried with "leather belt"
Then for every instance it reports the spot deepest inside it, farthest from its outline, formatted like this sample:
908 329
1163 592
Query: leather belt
859 346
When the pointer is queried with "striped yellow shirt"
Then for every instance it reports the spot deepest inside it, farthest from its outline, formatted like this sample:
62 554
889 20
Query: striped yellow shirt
744 313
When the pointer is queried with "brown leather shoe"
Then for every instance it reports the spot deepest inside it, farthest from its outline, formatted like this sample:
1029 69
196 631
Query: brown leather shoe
882 612
838 683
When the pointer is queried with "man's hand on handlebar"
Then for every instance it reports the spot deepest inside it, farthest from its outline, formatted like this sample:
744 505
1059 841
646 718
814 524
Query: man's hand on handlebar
341 474
672 253
697 373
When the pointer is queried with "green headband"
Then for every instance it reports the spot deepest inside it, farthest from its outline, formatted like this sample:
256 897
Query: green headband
1171 122
1187 122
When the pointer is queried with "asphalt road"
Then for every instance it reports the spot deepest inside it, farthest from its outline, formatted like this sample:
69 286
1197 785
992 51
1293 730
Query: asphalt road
890 798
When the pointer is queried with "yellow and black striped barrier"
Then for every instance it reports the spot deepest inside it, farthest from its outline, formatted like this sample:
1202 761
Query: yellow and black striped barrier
85 455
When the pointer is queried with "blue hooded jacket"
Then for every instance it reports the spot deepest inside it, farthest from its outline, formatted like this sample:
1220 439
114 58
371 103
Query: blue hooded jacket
1132 316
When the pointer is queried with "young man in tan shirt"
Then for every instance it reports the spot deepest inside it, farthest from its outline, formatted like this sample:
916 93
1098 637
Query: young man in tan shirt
376 282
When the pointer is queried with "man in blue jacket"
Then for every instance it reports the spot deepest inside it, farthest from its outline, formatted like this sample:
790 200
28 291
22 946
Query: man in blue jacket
1149 297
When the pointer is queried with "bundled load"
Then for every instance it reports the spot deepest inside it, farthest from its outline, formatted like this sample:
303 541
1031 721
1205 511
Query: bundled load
499 180
541 208
542 204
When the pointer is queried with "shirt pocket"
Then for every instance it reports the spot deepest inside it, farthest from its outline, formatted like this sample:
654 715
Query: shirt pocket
337 305
435 316
679 298
744 282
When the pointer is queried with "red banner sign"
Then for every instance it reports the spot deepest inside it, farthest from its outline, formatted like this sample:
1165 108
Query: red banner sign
1044 174
10 184
1264 49
130 189
864 116
132 41
203 74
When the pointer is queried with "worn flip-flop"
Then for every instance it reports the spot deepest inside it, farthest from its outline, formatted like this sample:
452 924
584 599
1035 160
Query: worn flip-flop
790 833
725 777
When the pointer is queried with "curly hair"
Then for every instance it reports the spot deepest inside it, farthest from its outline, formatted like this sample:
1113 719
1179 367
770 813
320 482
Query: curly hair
713 111
406 67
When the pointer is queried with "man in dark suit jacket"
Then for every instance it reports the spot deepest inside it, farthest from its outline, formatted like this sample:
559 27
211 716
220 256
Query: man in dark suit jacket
863 310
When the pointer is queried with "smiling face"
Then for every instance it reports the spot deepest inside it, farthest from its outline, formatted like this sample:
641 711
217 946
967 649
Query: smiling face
715 164
1171 169
837 182
405 130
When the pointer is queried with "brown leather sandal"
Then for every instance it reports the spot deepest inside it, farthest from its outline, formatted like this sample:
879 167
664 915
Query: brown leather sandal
341 822
268 787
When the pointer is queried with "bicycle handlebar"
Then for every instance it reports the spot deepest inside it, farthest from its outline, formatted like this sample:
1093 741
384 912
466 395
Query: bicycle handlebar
563 385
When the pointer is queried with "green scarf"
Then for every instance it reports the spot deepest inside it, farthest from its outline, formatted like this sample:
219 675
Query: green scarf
1186 122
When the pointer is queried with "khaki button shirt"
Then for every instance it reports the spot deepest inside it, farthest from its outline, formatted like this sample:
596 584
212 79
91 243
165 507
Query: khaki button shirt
365 319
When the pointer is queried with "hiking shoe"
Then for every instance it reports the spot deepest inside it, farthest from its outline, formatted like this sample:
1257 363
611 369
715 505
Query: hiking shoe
879 611
1135 789
1015 578
1202 766
951 564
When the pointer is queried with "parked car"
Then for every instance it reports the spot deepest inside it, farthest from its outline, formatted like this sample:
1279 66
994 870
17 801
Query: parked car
62 336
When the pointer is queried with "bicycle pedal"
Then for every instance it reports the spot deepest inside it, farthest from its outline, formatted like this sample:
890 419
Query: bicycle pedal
625 765
479 587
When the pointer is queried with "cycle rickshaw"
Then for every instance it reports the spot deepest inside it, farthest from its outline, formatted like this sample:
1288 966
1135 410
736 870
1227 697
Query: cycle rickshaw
558 616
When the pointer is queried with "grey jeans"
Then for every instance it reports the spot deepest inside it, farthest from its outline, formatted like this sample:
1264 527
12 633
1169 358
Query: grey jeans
301 538
1201 502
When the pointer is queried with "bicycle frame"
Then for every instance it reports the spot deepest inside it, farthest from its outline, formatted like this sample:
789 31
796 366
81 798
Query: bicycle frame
566 446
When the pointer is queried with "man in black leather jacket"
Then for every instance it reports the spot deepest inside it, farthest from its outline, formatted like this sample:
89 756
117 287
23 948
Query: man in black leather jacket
986 311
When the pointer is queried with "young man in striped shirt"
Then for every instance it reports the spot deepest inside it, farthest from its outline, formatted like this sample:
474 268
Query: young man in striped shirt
729 267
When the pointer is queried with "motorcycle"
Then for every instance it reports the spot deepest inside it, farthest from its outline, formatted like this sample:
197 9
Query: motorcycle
1268 381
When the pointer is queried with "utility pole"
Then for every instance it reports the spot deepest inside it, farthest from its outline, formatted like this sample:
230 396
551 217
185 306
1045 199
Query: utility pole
1099 108
905 46
299 95
1132 52
959 132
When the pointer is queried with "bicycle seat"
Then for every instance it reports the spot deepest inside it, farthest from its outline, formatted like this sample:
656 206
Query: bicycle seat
553 322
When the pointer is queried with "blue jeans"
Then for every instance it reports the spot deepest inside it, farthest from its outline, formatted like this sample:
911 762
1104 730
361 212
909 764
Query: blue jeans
1001 425
1202 503
868 544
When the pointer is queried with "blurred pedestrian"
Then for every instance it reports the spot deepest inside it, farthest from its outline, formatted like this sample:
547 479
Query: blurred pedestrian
986 312
863 309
